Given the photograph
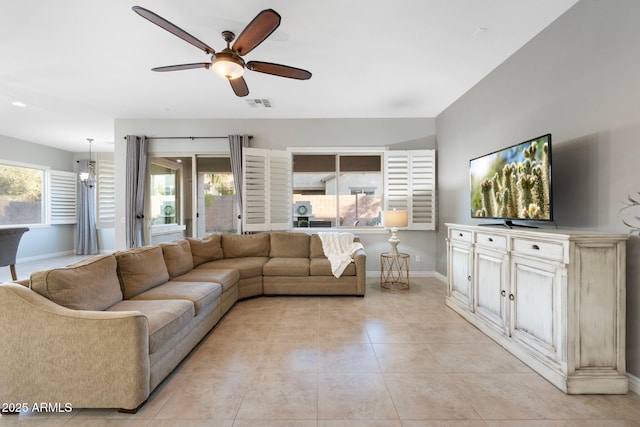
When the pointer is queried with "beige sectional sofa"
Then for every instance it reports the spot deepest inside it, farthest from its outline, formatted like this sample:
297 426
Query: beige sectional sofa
103 333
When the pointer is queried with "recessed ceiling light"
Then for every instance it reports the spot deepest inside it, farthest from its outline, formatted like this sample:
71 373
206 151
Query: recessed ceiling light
18 104
480 32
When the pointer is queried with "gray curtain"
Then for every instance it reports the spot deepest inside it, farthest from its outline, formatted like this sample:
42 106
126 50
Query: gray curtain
237 143
135 187
87 236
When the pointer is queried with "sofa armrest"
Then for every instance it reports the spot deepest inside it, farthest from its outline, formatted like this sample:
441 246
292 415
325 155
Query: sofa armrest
86 359
360 259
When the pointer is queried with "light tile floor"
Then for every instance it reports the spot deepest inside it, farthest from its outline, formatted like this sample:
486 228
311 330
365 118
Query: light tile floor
390 359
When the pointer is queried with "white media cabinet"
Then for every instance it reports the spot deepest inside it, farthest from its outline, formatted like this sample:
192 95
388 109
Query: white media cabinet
554 298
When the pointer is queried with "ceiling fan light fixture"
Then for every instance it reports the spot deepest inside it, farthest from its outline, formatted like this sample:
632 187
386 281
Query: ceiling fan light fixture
228 65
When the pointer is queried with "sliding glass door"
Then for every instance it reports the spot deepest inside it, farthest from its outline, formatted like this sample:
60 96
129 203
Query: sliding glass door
217 207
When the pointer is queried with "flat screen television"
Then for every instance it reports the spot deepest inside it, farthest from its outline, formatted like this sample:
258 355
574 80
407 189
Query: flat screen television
513 183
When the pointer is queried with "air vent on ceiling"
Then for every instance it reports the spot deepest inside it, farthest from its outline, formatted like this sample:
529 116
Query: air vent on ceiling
253 103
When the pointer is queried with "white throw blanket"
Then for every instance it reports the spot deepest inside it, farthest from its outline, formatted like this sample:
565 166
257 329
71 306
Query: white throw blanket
339 249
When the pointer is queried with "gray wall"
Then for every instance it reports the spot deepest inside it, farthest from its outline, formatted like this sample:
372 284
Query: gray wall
579 79
41 241
280 134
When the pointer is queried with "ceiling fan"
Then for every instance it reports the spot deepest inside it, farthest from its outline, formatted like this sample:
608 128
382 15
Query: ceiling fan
228 62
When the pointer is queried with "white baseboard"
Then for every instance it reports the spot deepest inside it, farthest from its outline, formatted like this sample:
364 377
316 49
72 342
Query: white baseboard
441 277
634 384
45 256
435 274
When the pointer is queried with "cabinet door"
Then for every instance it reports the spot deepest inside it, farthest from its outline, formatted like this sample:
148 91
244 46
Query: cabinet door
536 302
490 268
460 273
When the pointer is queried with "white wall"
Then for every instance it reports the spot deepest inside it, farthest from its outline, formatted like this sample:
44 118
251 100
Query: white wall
579 79
408 133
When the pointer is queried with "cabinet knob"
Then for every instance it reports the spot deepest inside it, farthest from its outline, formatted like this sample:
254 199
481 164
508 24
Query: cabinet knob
469 278
535 247
490 239
511 297
503 293
460 234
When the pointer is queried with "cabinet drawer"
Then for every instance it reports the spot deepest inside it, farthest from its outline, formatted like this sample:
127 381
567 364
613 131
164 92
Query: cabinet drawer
461 235
550 250
492 241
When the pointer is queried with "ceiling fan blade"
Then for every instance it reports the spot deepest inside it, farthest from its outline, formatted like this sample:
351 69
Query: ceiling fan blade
183 66
239 86
279 70
257 31
173 29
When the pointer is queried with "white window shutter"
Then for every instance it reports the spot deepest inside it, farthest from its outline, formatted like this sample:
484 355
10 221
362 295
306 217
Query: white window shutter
106 193
410 185
254 191
266 193
63 197
279 190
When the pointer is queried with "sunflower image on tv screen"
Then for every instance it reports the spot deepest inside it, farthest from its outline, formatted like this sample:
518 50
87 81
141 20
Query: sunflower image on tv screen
513 183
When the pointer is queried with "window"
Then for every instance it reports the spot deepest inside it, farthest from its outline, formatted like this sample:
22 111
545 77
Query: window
165 184
218 206
336 190
21 195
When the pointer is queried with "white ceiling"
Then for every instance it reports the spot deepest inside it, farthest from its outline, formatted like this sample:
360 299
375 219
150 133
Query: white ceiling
78 64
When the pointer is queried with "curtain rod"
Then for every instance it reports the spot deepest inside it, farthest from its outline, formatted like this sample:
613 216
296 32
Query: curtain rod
189 137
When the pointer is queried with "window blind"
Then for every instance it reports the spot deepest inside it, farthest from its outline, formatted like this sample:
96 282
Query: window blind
62 207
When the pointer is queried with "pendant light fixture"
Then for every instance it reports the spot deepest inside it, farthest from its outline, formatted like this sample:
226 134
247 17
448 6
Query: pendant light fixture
88 177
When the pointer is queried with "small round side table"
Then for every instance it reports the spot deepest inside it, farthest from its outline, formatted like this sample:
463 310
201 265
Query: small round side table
394 271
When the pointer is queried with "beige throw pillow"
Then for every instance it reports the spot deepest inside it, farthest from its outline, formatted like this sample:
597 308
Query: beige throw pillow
245 245
140 269
205 250
177 257
91 284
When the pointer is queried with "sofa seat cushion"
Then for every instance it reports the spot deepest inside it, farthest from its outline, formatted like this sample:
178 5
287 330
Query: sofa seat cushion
227 278
140 269
287 267
322 267
91 284
177 257
166 317
201 294
248 267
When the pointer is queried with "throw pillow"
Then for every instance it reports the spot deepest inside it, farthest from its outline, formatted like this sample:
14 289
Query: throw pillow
91 284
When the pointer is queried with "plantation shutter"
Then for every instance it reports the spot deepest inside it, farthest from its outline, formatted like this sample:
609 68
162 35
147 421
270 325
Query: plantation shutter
410 178
63 197
280 190
266 196
106 192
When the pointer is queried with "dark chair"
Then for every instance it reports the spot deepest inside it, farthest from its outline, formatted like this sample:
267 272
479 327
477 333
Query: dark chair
9 241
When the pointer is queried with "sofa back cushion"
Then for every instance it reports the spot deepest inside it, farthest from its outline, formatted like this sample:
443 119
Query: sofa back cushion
315 247
140 269
245 245
289 245
205 250
91 284
177 257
